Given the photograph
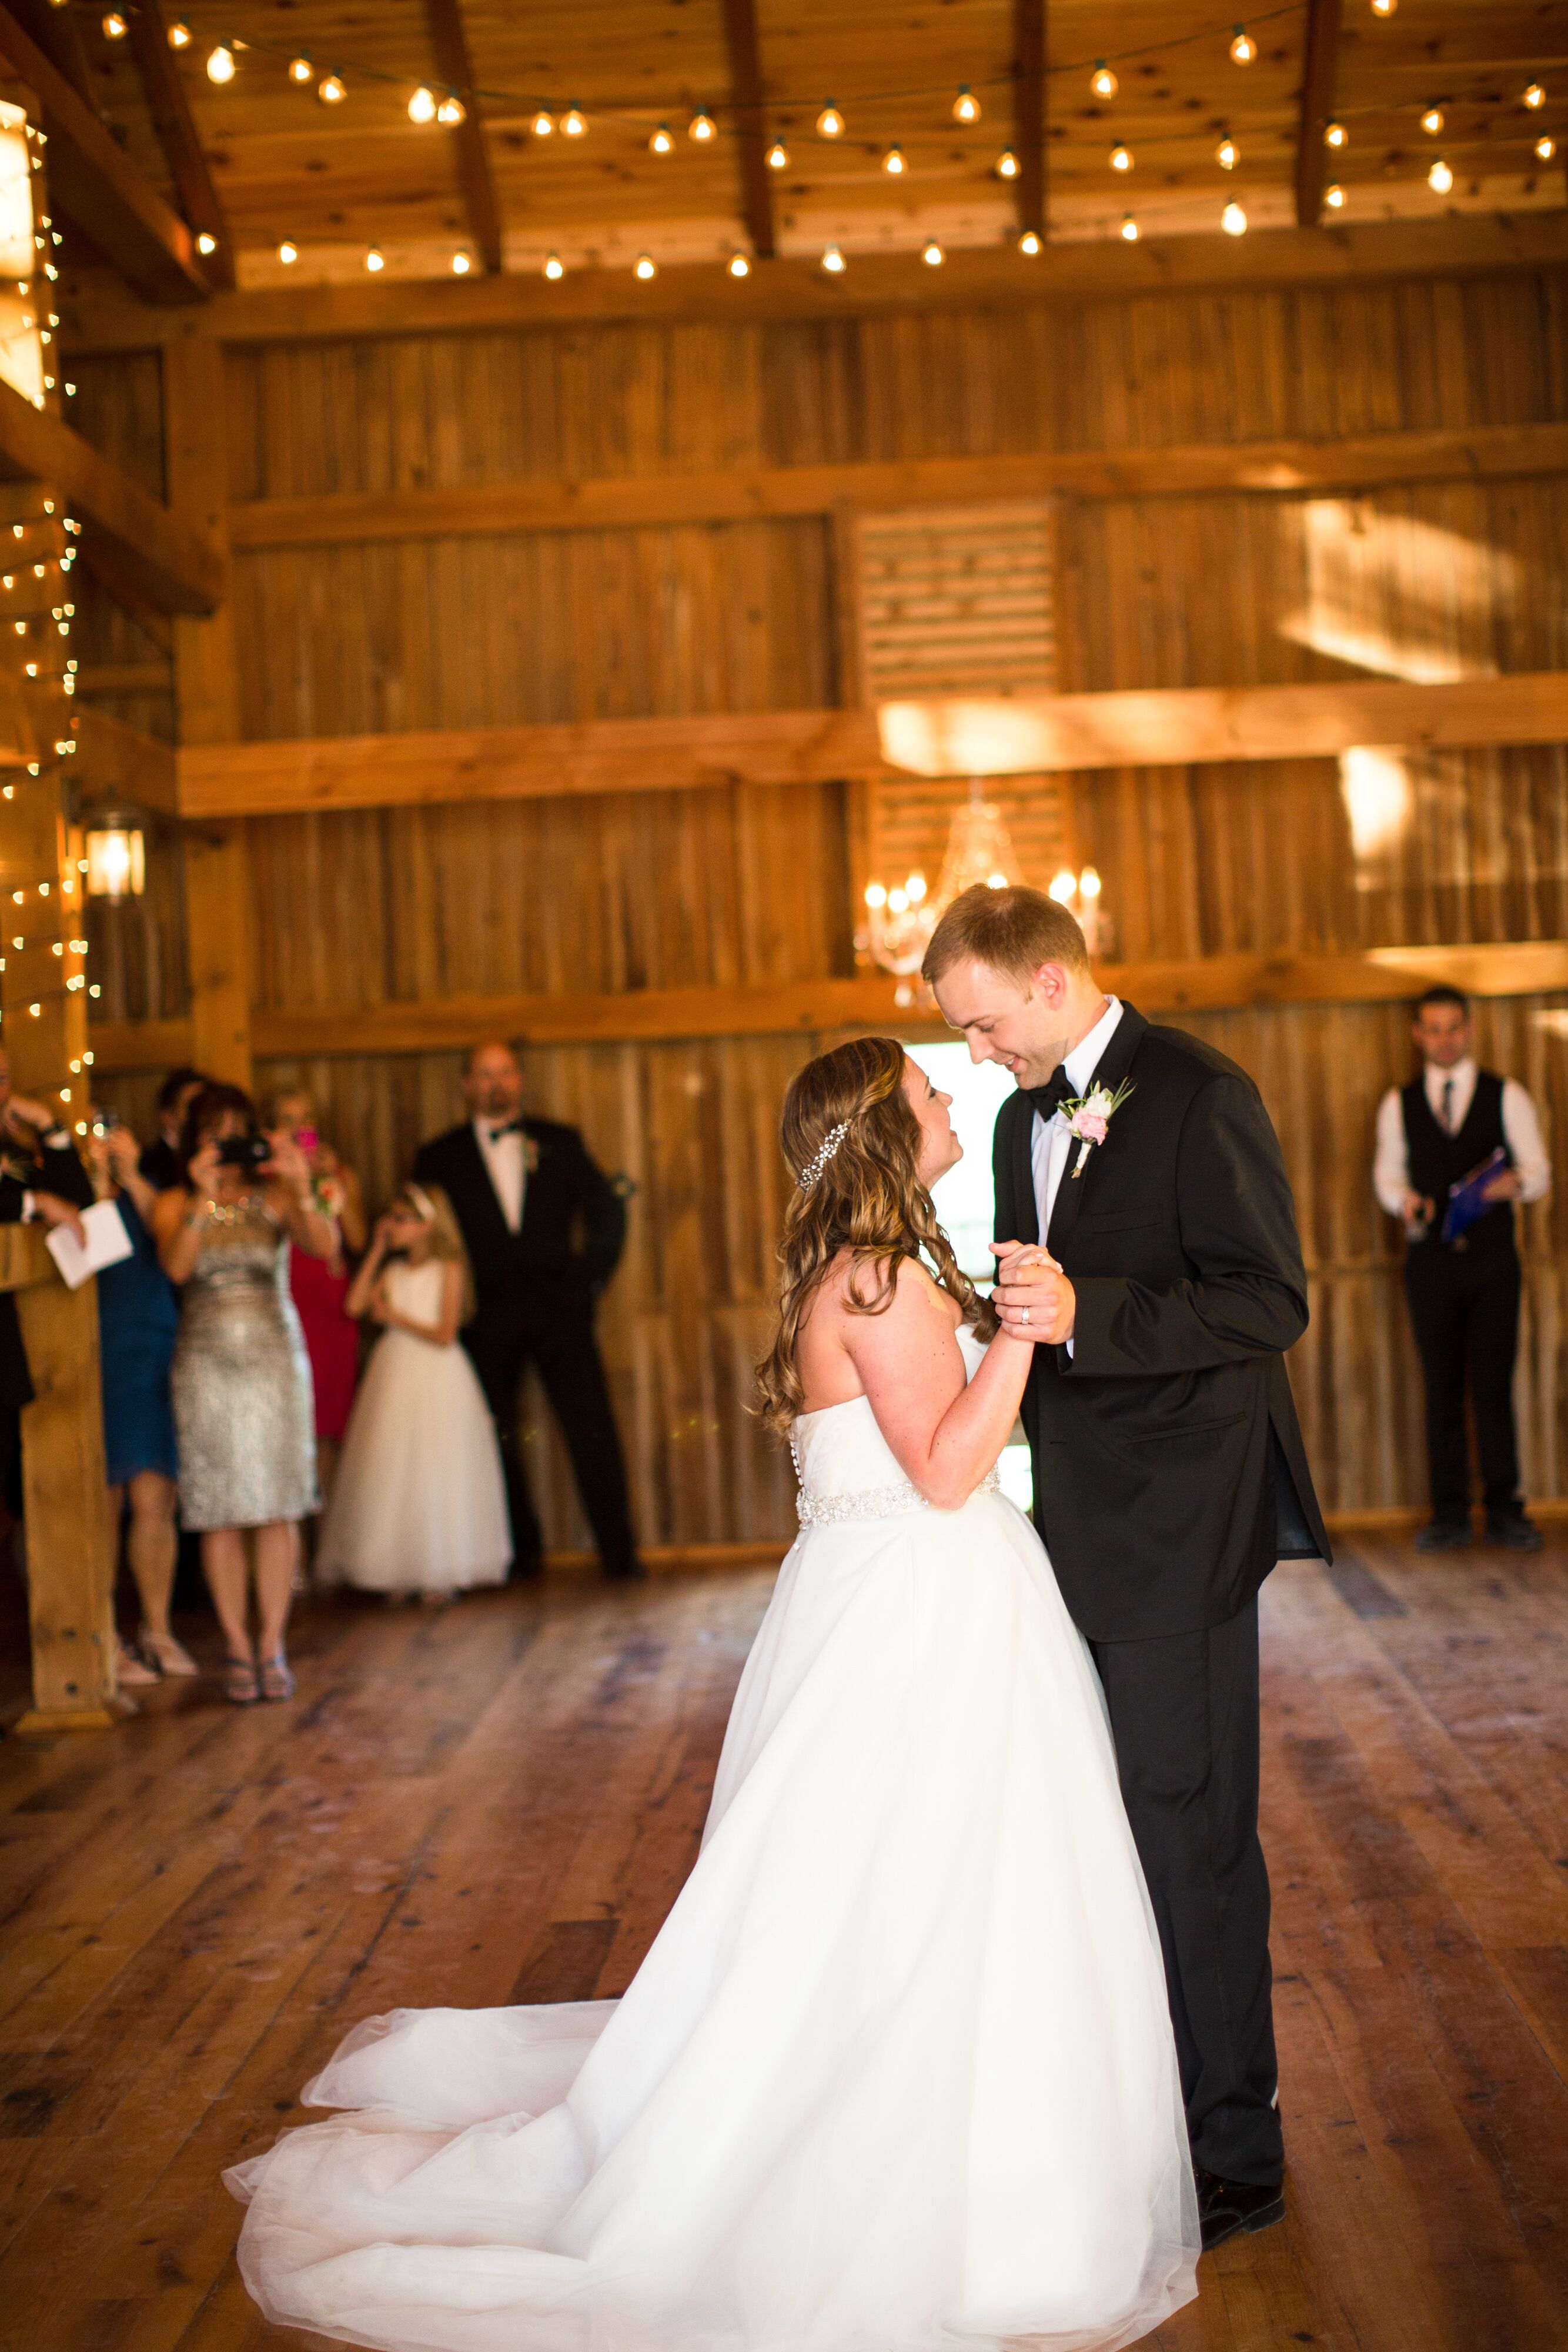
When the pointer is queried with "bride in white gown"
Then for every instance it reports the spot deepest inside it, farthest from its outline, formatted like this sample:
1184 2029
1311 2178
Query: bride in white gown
897 2074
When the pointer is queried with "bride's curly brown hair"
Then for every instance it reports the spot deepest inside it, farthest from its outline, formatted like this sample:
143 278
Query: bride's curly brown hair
866 1197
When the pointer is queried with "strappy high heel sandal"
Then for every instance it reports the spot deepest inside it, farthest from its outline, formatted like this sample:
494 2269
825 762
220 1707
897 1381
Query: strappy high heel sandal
240 1686
164 1654
277 1682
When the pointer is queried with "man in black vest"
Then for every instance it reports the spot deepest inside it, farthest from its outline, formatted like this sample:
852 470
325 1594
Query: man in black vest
1152 1255
544 1229
1463 1292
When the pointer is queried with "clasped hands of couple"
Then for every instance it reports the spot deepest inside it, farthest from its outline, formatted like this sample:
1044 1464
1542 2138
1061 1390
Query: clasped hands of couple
1033 1298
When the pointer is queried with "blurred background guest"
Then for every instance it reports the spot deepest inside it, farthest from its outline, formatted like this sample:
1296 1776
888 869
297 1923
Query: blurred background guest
160 1161
241 1382
321 1286
138 1315
420 1505
1463 1292
43 1182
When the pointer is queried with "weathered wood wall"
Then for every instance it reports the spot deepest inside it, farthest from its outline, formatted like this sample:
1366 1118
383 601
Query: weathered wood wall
353 910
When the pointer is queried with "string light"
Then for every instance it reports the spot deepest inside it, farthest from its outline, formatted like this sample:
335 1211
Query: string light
288 251
833 261
1333 198
1383 7
461 265
829 122
1432 120
1228 155
221 64
1129 229
1121 158
1006 165
1029 242
661 144
114 26
1534 96
206 242
375 259
543 124
573 125
1103 82
422 105
933 255
702 126
179 33
554 266
1243 48
965 106
1233 220
1336 135
778 156
739 266
332 89
1546 147
451 110
646 267
1439 178
300 70
893 162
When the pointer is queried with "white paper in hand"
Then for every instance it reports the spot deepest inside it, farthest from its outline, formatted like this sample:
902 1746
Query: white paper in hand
107 1242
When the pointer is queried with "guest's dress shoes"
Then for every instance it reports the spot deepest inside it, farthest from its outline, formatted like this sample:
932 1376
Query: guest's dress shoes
1513 1530
1445 1535
1229 2208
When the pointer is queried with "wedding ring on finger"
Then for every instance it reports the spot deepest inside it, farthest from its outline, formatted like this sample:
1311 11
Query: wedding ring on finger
1024 1313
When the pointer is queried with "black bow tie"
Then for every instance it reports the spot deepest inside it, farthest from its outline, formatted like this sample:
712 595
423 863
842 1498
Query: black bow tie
1047 1099
514 1128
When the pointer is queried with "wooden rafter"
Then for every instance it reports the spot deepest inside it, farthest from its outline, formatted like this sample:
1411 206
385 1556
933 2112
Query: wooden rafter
475 178
1319 67
751 124
169 108
57 33
1031 191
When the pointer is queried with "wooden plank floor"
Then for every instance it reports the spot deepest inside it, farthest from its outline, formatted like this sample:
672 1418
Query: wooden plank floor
497 1800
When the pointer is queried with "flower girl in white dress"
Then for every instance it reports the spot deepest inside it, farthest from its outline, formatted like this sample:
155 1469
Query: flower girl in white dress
419 1504
897 2074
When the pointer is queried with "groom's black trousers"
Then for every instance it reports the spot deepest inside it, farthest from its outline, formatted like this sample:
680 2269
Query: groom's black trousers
1184 1715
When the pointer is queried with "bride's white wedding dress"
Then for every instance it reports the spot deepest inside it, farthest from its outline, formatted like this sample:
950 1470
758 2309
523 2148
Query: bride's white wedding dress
897 2074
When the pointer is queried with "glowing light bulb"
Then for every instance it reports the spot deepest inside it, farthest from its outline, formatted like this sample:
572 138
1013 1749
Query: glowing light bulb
300 70
876 895
646 267
893 162
1432 120
1546 147
461 265
1233 220
1129 230
543 124
1534 96
1030 242
661 144
573 125
1243 48
375 259
739 266
965 106
1383 7
1336 135
1103 82
778 156
833 261
1121 158
702 126
332 89
289 251
206 242
932 254
422 105
914 889
554 266
1333 198
1006 165
179 33
829 122
451 110
897 901
114 26
1228 155
221 64
1439 178
1064 884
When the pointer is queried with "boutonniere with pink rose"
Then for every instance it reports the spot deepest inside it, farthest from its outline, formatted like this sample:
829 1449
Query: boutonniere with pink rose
1089 1118
530 1155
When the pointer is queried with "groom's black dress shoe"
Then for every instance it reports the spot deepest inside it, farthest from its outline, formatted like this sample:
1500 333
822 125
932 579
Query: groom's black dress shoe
1229 2208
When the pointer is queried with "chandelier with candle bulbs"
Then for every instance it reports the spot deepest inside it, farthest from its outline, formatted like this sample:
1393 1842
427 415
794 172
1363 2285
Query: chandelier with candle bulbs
901 917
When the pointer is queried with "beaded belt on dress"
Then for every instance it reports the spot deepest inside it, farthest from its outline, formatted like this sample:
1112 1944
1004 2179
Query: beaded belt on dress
869 1502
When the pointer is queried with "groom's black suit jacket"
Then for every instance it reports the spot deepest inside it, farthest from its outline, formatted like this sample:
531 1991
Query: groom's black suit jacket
1169 1472
573 1227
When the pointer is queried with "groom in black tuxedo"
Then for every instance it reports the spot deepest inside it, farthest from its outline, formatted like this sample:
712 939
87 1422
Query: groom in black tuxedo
1159 1272
544 1229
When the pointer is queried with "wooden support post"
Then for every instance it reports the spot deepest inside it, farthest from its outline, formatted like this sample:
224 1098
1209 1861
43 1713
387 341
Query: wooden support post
1320 65
1032 189
206 693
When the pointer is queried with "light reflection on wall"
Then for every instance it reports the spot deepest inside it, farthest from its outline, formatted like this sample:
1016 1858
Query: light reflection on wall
1379 801
1397 596
21 351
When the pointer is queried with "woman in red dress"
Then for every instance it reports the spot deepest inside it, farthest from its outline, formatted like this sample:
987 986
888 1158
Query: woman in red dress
321 1286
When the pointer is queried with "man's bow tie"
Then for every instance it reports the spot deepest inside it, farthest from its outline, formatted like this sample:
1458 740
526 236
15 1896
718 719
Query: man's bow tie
513 1127
1047 1099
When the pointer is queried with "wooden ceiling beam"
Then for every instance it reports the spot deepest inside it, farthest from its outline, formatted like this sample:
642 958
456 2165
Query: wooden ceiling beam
97 188
742 494
751 124
1320 69
983 277
57 32
476 179
1031 191
164 87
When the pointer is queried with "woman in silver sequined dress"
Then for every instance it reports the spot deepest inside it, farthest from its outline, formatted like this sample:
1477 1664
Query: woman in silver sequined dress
240 1379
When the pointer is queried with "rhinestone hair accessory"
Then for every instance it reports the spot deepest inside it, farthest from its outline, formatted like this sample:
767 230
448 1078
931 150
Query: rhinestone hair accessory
825 1150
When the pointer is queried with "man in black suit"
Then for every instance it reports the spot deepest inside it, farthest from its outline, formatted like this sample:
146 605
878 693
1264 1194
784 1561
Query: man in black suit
42 1181
1169 1472
544 1229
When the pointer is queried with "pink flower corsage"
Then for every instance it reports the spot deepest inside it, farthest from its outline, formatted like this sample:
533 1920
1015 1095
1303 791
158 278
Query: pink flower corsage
1089 1118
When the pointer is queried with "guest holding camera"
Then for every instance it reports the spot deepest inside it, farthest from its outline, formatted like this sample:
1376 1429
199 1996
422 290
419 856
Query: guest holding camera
1462 1277
241 1382
138 1316
321 1286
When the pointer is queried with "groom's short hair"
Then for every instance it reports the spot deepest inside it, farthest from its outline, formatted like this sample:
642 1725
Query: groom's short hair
1013 930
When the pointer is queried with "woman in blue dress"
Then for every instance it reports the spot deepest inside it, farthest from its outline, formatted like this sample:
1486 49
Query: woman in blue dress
138 1314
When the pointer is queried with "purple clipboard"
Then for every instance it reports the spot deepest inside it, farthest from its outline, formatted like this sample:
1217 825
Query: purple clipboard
1466 1201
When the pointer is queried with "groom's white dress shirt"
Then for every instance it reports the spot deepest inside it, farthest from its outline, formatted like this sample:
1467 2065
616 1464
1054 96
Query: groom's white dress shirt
1052 1144
503 1155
